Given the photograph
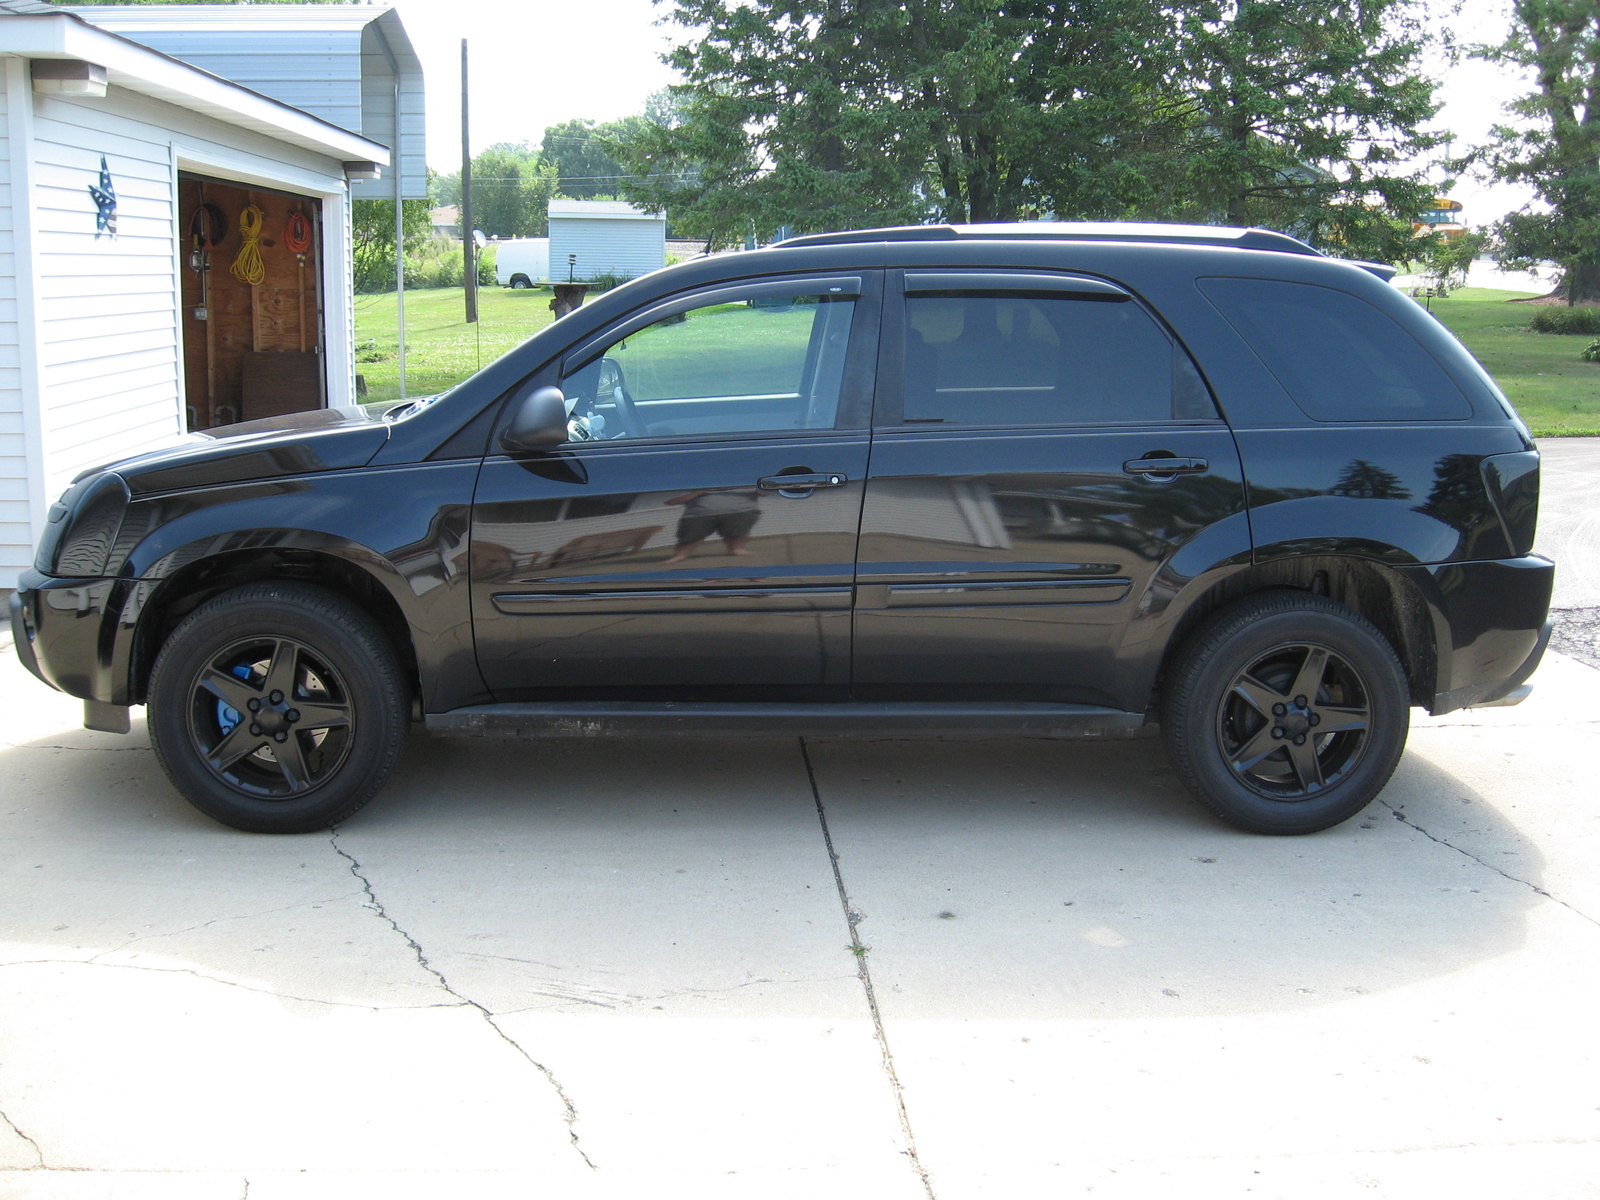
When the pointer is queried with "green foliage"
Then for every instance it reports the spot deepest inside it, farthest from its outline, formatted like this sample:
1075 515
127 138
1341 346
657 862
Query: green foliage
1306 116
1557 319
1446 261
605 282
581 153
372 239
829 114
511 191
1556 148
1591 352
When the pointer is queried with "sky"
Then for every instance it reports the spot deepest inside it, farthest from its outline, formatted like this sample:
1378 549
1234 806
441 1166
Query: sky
540 62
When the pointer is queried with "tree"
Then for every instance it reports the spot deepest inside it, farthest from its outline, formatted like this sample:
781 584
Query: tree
511 191
1557 151
1302 115
825 114
1446 261
581 152
837 113
372 239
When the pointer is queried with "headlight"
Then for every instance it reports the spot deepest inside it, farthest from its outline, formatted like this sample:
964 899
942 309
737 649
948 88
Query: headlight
83 527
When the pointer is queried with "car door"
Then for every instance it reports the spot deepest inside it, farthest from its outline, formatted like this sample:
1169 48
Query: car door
696 537
1043 447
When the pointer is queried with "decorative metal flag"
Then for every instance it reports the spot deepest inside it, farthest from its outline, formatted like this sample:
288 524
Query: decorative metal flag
105 198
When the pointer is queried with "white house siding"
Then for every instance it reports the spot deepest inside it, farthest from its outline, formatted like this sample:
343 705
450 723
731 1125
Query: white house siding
15 533
108 350
628 246
107 306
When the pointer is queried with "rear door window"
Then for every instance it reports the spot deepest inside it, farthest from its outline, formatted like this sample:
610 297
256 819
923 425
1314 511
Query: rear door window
1010 358
1338 357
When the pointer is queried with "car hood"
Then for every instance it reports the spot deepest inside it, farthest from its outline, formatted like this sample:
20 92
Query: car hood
327 439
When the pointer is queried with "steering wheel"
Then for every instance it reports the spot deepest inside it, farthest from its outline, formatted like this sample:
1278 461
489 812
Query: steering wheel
613 383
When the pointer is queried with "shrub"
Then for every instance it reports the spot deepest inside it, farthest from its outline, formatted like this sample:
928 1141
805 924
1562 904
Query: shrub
607 281
1591 352
1562 319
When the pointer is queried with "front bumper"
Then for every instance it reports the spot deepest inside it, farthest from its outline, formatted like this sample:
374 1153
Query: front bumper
1491 626
65 630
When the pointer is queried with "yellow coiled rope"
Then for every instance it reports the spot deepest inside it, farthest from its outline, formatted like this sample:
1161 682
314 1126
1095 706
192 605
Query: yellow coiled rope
248 267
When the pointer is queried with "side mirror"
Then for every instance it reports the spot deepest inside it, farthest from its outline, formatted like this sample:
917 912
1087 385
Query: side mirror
539 423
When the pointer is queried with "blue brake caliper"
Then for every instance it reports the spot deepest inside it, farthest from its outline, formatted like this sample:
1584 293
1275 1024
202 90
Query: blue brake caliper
227 717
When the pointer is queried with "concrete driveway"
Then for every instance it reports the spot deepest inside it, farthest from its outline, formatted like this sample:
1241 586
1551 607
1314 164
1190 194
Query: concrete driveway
1569 533
581 969
774 970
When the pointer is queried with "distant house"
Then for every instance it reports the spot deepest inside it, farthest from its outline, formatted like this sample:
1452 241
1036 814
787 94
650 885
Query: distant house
130 311
594 238
446 221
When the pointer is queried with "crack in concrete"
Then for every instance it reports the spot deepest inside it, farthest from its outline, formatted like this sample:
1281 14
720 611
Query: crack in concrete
233 983
1529 884
673 994
266 912
570 1111
853 919
37 1153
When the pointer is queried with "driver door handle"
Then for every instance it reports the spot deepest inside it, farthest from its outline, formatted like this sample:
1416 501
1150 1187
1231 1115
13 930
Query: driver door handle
801 484
1164 466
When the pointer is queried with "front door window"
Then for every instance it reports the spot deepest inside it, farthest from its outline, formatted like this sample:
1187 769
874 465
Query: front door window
766 364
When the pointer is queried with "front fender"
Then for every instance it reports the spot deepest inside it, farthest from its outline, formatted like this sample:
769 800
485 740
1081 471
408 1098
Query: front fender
404 527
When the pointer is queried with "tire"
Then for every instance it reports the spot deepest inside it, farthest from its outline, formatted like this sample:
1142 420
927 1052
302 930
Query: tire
1285 713
521 282
304 761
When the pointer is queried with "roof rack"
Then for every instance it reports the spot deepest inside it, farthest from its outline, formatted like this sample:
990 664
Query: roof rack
1073 231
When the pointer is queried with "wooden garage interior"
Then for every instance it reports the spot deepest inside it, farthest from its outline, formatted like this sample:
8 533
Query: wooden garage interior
252 302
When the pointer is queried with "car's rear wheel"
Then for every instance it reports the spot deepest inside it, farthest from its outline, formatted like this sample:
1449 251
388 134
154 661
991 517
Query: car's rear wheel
1286 713
278 708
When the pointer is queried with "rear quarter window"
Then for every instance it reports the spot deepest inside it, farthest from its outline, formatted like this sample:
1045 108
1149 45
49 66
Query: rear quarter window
1338 357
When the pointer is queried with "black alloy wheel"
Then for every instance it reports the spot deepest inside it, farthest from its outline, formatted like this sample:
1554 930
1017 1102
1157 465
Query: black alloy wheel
1294 721
278 708
271 717
1285 713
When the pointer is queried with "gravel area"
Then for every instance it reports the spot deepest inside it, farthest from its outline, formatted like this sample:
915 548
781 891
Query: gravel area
1577 632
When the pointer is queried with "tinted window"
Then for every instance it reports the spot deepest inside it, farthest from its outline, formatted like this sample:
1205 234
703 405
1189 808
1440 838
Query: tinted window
975 359
1340 358
765 364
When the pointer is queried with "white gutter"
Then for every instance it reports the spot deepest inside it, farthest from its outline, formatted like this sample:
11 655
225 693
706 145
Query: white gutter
151 73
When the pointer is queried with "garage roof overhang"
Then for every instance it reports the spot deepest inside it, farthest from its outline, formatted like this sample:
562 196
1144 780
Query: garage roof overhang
149 72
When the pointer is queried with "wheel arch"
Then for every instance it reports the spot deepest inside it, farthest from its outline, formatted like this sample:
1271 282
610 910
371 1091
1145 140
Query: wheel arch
155 613
1379 593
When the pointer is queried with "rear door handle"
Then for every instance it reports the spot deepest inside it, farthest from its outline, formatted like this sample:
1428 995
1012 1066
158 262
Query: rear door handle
1165 467
801 485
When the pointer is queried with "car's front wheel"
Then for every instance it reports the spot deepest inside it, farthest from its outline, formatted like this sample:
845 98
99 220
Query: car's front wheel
278 708
1286 713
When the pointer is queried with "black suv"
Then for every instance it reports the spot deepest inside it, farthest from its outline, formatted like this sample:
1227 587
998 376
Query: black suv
1039 480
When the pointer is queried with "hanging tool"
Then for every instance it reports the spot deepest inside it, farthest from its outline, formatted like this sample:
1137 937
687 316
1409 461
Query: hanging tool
297 236
208 226
247 266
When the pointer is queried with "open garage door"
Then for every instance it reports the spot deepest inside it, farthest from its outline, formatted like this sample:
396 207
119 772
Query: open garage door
252 302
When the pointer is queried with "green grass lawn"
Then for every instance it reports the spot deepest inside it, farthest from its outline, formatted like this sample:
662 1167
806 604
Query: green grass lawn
441 348
1556 392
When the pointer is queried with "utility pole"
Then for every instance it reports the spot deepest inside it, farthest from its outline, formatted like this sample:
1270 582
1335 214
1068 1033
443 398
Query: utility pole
469 246
399 238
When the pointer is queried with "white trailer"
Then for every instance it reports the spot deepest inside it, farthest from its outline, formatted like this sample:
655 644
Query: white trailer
522 262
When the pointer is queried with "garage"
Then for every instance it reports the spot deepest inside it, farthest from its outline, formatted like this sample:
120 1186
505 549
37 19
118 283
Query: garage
174 254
